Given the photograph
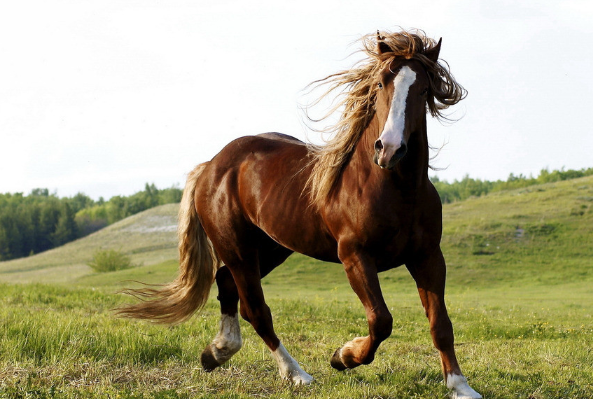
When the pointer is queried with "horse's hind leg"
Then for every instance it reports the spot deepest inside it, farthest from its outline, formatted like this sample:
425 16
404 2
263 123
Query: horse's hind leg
228 340
242 281
255 310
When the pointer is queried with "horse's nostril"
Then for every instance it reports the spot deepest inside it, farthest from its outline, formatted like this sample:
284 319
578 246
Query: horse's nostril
378 145
403 148
401 151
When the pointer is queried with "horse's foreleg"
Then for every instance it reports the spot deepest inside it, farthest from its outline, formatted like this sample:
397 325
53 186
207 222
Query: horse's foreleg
228 340
430 274
365 283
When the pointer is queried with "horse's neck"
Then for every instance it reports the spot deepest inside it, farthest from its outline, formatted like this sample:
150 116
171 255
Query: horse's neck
410 172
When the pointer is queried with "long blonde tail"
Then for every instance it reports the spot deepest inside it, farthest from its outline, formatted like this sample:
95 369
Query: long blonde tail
198 263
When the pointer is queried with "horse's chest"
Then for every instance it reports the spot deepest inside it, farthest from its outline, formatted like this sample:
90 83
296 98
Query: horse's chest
392 238
393 233
392 226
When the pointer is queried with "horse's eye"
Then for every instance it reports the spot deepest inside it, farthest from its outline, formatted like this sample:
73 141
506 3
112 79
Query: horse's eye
424 92
380 85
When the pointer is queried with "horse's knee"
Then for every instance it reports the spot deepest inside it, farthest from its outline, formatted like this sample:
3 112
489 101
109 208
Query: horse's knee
381 326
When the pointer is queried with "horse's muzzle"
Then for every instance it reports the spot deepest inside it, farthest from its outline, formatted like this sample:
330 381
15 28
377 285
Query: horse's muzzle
384 159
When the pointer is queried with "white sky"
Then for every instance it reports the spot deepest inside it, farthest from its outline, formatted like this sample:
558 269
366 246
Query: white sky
103 96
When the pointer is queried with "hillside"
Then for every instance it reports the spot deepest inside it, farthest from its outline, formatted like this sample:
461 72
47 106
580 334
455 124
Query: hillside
148 237
542 233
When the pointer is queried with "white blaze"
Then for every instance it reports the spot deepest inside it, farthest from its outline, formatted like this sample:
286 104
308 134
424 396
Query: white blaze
393 132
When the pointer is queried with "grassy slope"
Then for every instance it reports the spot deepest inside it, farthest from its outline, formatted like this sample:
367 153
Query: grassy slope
519 293
148 237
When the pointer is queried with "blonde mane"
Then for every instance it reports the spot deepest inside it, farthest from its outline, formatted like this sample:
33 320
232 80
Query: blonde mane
356 99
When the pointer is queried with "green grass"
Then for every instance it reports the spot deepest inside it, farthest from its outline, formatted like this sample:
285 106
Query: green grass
520 295
64 341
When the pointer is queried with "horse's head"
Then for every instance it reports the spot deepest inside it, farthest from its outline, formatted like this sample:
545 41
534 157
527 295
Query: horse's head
404 89
396 86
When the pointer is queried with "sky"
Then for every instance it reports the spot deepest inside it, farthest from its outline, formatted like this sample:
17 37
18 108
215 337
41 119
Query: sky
101 97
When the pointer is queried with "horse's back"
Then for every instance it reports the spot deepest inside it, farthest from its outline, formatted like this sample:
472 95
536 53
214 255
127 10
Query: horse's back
265 147
259 181
282 137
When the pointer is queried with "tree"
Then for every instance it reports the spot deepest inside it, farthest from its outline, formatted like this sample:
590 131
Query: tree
4 245
47 224
66 228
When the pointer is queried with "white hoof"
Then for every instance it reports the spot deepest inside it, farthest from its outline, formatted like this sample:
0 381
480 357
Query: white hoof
289 368
301 378
460 387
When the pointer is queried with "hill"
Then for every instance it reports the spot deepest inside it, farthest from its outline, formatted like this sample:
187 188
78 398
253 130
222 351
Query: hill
148 237
543 232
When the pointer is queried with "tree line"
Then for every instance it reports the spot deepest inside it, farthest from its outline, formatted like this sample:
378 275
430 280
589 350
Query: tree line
34 223
468 187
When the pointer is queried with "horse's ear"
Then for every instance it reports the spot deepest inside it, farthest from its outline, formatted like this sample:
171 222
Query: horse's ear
433 53
382 47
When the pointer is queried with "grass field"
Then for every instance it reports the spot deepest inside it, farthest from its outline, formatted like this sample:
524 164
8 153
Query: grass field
520 296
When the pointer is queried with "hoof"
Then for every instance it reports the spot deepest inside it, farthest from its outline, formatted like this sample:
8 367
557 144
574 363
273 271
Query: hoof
208 360
474 395
336 360
301 378
461 390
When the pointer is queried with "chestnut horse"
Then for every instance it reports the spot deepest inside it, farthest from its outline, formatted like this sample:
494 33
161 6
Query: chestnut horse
364 200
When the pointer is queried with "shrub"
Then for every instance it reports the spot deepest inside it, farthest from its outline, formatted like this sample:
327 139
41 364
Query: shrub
109 260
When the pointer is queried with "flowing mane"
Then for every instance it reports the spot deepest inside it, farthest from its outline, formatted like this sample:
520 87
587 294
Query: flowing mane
357 94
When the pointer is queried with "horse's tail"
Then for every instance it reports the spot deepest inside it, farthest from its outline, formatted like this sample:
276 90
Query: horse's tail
198 263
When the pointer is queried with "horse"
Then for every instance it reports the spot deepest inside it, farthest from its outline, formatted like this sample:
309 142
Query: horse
363 199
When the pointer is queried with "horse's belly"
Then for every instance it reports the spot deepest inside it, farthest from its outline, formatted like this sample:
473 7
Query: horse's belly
299 231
